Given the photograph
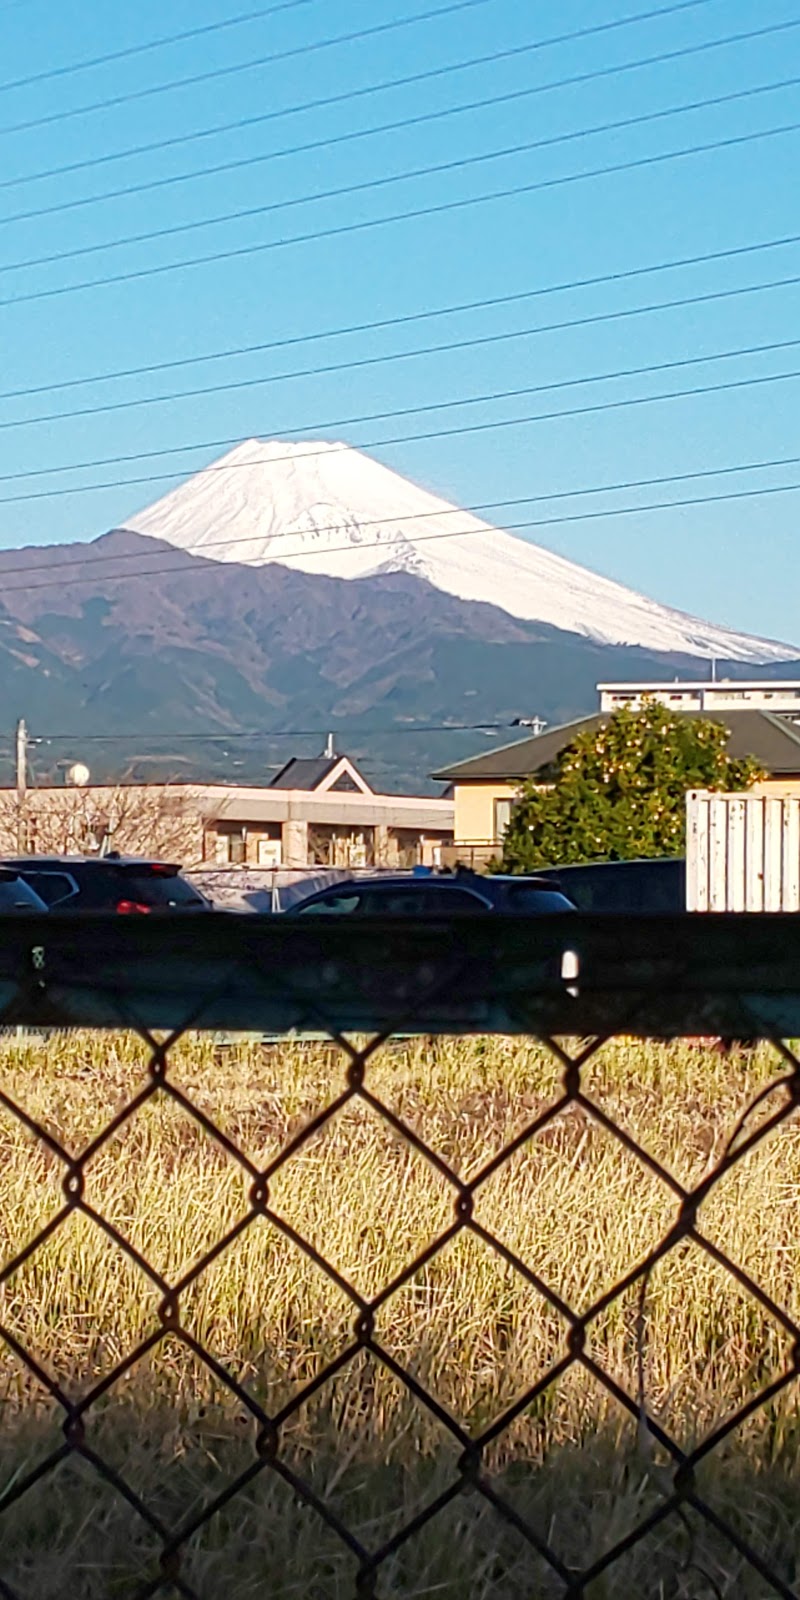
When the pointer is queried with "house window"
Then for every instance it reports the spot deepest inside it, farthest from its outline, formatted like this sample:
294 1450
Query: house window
405 847
231 845
329 846
502 817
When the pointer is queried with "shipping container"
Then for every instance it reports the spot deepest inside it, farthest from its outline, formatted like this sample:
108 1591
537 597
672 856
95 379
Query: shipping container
742 852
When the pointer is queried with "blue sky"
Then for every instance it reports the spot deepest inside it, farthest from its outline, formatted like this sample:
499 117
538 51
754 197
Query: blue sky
731 561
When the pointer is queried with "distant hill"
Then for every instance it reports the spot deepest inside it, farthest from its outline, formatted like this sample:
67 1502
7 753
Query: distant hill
129 635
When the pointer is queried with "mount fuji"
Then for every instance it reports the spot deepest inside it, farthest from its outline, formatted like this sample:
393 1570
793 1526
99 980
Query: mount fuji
327 508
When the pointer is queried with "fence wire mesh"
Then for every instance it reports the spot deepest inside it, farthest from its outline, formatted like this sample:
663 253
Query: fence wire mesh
470 1476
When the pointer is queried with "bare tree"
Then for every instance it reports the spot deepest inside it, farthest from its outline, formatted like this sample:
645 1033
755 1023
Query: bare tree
136 819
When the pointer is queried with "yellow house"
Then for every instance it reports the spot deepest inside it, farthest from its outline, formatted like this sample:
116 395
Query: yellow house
485 786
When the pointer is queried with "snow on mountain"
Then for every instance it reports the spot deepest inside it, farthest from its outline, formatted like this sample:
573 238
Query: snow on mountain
327 508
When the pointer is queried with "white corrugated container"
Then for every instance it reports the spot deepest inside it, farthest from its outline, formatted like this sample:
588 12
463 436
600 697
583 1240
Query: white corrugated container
742 852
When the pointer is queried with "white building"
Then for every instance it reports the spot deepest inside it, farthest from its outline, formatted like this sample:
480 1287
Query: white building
323 813
723 694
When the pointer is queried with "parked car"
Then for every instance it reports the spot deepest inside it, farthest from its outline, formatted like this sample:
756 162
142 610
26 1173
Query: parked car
434 895
623 886
108 883
17 895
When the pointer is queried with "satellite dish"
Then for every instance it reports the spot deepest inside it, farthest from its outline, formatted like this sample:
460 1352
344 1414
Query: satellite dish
78 775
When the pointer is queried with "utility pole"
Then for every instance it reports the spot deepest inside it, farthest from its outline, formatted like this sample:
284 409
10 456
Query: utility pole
22 782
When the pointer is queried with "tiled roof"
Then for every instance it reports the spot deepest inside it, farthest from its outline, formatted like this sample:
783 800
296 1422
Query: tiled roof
774 741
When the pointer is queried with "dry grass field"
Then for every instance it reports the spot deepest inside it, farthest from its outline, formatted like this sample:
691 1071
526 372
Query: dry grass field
574 1204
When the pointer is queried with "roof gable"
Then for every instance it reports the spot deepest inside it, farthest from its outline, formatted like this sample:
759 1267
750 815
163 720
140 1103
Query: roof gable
344 775
321 773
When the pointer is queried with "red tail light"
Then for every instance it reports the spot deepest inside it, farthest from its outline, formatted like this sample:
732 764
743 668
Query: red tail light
128 908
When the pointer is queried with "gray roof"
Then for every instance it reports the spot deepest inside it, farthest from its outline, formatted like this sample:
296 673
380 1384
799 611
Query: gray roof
517 760
773 740
309 772
300 773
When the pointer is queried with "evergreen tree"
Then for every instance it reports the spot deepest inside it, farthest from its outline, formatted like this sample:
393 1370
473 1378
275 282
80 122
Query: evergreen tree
618 792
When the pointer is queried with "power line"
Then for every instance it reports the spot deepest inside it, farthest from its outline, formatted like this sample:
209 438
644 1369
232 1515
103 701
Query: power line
328 424
590 490
439 433
415 213
187 571
388 180
151 44
239 124
278 733
402 124
254 63
408 80
354 36
478 341
624 275
462 430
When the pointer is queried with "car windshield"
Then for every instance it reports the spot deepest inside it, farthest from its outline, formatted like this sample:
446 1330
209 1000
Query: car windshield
148 888
394 900
539 902
337 905
415 901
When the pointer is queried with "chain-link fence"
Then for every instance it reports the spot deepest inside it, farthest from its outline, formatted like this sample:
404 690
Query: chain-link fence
573 1469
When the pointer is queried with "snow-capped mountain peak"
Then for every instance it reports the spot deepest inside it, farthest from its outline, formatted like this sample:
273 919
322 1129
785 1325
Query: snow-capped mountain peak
328 508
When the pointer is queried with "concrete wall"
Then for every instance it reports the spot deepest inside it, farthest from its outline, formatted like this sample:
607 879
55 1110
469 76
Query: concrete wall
295 844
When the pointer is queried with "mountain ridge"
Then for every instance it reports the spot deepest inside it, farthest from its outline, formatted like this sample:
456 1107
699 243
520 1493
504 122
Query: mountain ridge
136 637
328 508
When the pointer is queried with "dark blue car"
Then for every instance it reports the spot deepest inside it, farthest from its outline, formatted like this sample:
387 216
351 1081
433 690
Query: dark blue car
623 886
434 895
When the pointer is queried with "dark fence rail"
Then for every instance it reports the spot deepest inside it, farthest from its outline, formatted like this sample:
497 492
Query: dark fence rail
660 978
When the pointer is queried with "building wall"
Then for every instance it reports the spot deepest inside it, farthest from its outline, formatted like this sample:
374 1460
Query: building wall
779 786
224 824
136 819
769 695
475 814
299 844
474 810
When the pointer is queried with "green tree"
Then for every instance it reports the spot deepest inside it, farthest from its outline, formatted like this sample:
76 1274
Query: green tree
618 792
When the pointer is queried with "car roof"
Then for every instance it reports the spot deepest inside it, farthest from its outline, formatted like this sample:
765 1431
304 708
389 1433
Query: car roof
639 861
386 880
86 861
514 880
383 881
471 882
